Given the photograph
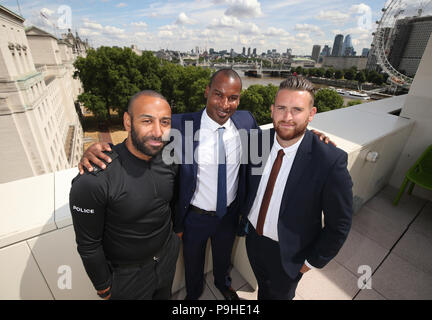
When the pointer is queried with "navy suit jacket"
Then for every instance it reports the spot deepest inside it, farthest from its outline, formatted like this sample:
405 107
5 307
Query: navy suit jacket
187 174
318 182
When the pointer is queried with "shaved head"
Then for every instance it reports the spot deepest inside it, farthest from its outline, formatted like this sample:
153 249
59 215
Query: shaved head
147 93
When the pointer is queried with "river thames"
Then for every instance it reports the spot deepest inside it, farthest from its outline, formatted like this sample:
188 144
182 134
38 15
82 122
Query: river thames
265 80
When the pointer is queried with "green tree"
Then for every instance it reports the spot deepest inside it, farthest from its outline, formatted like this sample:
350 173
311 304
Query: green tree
329 73
339 74
327 99
349 74
354 102
110 76
319 72
258 99
299 70
361 78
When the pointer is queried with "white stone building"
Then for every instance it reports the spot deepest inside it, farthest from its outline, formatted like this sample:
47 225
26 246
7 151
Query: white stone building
40 130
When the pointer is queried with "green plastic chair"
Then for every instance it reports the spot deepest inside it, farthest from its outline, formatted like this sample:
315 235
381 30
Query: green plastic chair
420 174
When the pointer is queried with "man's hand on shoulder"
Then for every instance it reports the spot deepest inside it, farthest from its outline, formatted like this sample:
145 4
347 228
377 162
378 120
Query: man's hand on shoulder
93 154
323 137
105 294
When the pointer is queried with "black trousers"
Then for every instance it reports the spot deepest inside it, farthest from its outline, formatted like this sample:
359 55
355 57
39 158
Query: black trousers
265 260
150 281
198 228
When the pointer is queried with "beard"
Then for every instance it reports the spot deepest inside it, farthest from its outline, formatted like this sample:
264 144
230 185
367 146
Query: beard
140 143
287 135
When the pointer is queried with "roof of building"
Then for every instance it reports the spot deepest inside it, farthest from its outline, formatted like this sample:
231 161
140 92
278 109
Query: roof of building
11 13
35 31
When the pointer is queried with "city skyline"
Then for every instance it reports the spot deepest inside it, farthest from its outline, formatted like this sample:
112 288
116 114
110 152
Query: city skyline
218 24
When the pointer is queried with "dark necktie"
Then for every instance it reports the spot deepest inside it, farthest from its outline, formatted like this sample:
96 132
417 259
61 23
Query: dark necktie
221 205
269 191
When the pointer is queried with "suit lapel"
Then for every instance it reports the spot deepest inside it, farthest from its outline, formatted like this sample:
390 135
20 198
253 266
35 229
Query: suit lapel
236 119
196 118
301 163
257 178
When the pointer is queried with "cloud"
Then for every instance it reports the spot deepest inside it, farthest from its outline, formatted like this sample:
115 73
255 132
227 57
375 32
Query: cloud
249 29
243 8
184 19
92 25
229 22
113 30
121 5
165 34
275 32
360 9
140 24
169 27
309 28
87 32
336 17
225 22
140 34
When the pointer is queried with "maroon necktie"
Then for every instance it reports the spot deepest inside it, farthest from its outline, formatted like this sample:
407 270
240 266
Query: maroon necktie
268 192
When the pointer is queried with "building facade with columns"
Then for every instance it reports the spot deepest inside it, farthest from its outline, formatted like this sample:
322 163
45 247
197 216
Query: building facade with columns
40 131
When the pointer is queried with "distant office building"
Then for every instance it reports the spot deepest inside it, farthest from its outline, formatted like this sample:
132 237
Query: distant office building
268 51
244 51
337 46
249 52
365 52
211 51
254 52
347 47
289 52
407 45
340 63
326 51
40 128
315 52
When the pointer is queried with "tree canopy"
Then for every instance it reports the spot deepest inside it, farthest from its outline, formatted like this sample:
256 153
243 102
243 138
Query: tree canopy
112 75
328 99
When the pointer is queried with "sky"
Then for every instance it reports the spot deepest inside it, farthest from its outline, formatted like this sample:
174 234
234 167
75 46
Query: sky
219 24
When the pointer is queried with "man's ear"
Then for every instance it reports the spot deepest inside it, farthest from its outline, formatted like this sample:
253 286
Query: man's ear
312 113
271 109
127 121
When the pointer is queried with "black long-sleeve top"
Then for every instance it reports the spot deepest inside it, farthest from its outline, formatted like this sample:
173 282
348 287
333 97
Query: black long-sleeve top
122 214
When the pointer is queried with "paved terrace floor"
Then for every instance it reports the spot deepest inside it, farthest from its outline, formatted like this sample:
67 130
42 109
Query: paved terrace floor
395 242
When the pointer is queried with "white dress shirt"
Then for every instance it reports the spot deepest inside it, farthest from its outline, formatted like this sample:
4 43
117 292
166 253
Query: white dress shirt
270 229
205 196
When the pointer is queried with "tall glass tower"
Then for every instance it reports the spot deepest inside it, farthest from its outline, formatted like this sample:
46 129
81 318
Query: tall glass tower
337 45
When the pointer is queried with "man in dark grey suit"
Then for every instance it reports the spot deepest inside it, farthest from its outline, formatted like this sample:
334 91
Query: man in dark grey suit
302 179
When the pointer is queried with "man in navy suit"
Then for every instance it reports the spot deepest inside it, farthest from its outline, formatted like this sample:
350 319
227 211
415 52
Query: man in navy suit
302 178
210 190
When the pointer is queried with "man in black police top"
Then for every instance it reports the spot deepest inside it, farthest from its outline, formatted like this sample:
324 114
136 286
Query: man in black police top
122 215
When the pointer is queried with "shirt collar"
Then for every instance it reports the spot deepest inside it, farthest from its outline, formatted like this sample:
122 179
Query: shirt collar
209 124
289 150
